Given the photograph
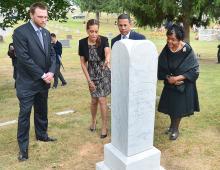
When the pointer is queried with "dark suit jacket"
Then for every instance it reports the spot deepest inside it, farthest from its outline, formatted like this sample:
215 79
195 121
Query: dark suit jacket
133 36
32 60
58 49
84 48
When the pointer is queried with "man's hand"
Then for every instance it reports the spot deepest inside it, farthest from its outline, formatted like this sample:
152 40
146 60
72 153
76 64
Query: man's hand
48 77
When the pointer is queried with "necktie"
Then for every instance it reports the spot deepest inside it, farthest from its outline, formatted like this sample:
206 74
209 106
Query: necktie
124 37
39 34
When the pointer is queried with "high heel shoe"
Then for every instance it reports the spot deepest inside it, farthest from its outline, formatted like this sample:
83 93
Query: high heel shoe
102 136
92 128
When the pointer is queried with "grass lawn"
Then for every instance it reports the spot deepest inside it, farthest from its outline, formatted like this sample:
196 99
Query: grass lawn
197 148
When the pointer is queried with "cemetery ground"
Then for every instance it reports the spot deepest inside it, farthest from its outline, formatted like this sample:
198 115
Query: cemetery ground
197 148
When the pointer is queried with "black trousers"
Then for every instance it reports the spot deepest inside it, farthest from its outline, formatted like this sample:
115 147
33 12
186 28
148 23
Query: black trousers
39 101
57 75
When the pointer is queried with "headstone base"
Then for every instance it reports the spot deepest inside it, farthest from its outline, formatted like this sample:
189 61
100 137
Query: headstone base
115 160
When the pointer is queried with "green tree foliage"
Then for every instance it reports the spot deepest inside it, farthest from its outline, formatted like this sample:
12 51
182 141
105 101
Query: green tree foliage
95 6
189 12
98 6
14 10
114 6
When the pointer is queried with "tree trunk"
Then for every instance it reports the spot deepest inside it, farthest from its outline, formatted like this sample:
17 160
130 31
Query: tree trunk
187 6
107 18
218 55
186 25
97 15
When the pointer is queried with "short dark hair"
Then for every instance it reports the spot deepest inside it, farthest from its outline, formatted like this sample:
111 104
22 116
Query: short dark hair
177 30
53 35
124 16
40 5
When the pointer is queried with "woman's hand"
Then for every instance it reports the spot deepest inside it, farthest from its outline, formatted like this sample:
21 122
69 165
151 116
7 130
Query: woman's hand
107 58
171 79
106 64
179 83
92 86
177 80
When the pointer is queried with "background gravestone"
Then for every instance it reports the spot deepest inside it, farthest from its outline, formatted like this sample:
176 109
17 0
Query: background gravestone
69 37
65 43
209 34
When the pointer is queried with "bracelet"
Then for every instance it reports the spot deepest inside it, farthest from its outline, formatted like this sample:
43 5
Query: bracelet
89 81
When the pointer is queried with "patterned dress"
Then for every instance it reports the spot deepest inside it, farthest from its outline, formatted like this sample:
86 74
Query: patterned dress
99 75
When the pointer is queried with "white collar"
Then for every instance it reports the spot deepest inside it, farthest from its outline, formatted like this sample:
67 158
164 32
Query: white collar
34 26
127 36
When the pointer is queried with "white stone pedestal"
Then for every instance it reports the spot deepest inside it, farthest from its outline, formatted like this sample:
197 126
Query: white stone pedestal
133 99
149 159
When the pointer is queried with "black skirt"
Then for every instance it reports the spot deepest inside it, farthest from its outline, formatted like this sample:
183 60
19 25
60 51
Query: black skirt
177 103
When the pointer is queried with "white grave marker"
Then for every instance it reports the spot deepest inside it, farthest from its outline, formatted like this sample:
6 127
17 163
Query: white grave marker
134 80
8 123
65 112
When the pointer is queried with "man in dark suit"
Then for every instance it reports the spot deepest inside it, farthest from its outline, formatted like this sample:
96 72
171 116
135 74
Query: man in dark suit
124 26
58 49
35 69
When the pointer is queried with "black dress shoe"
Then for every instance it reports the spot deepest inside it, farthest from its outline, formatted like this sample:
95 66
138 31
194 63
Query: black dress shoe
22 156
168 130
174 135
63 84
47 139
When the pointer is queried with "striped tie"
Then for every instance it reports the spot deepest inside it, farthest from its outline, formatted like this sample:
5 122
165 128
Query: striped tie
39 34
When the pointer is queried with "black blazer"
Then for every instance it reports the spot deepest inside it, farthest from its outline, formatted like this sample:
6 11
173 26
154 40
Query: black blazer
58 49
84 48
133 36
32 59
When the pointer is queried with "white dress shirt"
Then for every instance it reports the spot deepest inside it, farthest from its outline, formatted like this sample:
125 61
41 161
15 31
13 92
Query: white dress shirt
127 36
